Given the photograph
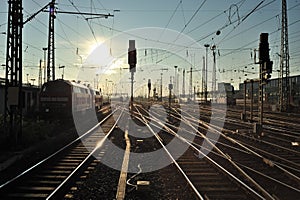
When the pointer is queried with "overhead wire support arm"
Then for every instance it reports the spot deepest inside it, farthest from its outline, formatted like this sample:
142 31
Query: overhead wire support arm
35 14
97 15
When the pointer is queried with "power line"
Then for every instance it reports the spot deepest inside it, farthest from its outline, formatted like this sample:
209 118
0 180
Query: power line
190 20
171 17
255 41
195 13
90 27
223 27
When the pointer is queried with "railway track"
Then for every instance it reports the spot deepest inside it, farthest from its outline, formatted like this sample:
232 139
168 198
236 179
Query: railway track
282 132
52 177
206 178
267 163
253 160
228 164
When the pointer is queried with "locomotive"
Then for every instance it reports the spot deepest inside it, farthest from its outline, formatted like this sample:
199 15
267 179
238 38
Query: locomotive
60 99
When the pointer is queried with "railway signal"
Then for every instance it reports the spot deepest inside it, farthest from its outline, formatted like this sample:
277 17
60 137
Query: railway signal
149 88
132 56
132 65
264 58
265 70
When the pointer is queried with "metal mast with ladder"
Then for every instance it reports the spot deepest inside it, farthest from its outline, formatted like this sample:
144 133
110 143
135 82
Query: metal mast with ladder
284 84
13 72
51 51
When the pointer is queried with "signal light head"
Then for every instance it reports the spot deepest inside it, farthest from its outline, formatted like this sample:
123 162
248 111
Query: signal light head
132 55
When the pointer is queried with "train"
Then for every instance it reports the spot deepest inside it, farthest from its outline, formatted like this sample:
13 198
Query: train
29 99
61 99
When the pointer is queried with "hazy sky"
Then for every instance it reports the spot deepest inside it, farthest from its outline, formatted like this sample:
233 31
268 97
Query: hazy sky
180 28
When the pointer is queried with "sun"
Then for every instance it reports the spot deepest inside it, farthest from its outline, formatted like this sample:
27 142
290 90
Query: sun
99 55
92 47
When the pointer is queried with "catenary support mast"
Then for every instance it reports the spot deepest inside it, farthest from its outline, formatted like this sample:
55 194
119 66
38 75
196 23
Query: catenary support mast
284 84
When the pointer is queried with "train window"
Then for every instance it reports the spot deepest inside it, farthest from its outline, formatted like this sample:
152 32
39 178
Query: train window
56 88
75 89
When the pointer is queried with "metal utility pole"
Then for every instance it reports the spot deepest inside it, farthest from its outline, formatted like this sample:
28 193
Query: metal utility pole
244 113
175 80
51 48
45 63
203 78
284 83
170 97
214 78
205 83
13 72
161 79
40 74
191 83
51 41
161 76
183 83
251 100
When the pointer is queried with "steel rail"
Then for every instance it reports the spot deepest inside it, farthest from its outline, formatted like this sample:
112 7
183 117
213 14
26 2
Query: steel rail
216 164
276 164
237 149
60 187
171 157
256 154
56 153
219 129
258 186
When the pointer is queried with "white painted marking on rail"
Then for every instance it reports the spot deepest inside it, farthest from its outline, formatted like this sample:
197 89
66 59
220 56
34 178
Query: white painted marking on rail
123 175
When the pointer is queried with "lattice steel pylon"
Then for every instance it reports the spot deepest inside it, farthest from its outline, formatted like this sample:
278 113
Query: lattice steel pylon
13 72
284 84
51 48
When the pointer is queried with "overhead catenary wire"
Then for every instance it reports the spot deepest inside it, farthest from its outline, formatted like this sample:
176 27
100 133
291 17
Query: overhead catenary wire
170 19
190 20
213 32
150 10
89 25
260 23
